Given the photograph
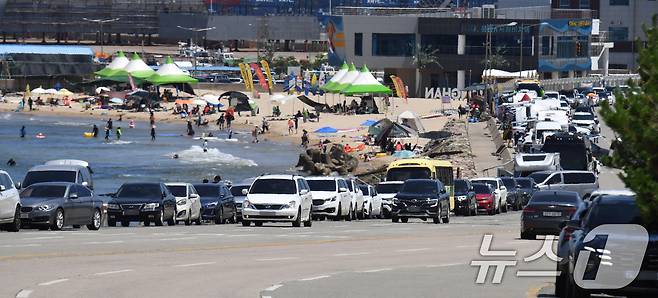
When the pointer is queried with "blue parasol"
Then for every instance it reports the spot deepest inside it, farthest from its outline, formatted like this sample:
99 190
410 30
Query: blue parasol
326 129
368 122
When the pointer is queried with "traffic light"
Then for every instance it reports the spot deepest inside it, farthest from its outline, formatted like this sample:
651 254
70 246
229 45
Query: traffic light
579 49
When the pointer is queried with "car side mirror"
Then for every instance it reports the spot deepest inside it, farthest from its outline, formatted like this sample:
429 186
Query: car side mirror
18 185
503 188
194 196
443 190
73 196
85 183
2 188
245 191
342 189
303 192
471 188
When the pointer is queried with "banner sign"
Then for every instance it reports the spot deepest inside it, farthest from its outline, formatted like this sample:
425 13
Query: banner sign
268 73
261 77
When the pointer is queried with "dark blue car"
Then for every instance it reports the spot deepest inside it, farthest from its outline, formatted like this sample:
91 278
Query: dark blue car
216 203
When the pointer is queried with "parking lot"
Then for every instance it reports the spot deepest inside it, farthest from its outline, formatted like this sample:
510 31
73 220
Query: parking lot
330 259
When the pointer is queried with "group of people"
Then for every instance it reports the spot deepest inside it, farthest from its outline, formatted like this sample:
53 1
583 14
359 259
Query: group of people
391 146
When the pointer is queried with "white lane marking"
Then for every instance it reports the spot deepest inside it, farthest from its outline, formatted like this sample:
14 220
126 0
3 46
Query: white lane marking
177 239
413 249
276 259
375 270
103 242
537 273
467 246
314 278
113 272
351 254
273 287
20 245
52 282
208 234
195 264
24 294
245 235
265 296
114 234
351 231
381 225
43 238
443 265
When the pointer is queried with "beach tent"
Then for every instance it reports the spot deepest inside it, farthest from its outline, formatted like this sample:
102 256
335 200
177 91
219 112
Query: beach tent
239 100
346 80
411 120
211 99
118 63
365 83
385 128
169 73
138 69
336 78
316 105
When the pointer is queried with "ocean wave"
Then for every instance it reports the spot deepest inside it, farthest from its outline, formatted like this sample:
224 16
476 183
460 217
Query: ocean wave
196 155
119 142
6 116
68 123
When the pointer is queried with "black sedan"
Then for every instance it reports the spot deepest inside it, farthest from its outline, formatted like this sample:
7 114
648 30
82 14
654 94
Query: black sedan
547 211
514 198
465 202
216 203
421 198
146 202
527 188
57 204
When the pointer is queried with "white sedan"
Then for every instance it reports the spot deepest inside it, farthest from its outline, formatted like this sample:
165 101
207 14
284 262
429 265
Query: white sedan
188 203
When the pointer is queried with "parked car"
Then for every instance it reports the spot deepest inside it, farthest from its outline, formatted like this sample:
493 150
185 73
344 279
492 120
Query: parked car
60 171
611 210
500 192
387 191
278 198
465 202
563 247
582 182
331 197
188 202
238 197
514 198
547 211
142 202
585 120
357 198
372 203
10 204
217 202
422 198
485 196
57 204
527 188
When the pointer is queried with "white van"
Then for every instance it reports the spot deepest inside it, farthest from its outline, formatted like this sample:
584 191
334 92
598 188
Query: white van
10 205
331 197
582 182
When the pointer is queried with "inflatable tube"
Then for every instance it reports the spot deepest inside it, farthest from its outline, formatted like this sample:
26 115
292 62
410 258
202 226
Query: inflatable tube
88 134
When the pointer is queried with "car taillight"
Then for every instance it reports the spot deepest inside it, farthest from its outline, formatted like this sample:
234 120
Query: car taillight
529 210
567 232
570 211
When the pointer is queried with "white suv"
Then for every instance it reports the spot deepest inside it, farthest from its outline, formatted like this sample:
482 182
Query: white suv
372 202
278 198
331 197
500 192
10 207
357 199
188 202
386 191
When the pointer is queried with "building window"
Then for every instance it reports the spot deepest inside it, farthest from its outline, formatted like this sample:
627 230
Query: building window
547 45
584 4
566 47
358 44
618 33
565 3
618 2
397 45
445 44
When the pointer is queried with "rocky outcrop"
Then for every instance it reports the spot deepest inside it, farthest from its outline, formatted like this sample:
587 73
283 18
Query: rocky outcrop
316 162
456 147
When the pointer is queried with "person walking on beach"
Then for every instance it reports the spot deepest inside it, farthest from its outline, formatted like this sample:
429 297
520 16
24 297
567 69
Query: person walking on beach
119 133
109 123
304 138
229 119
265 126
190 130
107 134
30 102
94 131
291 124
23 132
152 133
220 121
297 116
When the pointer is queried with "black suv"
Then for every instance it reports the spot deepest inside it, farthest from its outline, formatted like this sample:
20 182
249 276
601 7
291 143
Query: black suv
514 198
421 198
147 202
465 202
216 203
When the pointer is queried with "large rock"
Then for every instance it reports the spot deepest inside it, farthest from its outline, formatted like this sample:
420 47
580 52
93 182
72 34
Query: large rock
316 162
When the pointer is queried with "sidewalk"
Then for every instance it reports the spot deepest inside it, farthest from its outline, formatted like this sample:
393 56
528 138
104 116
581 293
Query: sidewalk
482 147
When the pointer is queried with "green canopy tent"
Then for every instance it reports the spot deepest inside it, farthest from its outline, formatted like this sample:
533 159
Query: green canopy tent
169 74
345 81
365 83
118 63
336 78
138 69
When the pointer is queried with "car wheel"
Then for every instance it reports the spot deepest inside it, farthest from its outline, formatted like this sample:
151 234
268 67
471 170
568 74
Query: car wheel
258 223
446 219
15 225
111 222
171 221
125 223
96 221
437 219
58 221
528 236
370 212
147 222
504 208
298 221
394 218
348 217
246 223
159 221
188 220
198 220
339 213
404 219
498 209
219 217
309 222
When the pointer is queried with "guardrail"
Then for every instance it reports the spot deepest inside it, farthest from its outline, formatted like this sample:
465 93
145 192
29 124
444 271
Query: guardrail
572 83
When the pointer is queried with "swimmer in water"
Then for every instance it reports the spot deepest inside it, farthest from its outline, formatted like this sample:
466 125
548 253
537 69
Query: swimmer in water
205 145
175 156
11 162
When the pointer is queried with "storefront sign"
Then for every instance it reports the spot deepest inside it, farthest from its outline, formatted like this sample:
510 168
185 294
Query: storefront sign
439 93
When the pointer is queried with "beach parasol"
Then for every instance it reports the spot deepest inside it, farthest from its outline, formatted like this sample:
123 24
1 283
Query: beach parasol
199 102
116 100
100 90
64 92
38 90
211 99
326 129
50 91
369 122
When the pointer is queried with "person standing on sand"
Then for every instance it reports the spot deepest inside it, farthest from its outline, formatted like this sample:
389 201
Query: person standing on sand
109 123
30 102
23 132
291 124
119 133
107 134
152 133
304 138
220 121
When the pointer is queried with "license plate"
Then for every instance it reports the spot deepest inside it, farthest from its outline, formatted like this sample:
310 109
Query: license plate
131 212
267 213
25 215
413 208
552 214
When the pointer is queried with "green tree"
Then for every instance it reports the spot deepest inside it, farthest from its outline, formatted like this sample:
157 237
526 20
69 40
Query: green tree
634 118
497 60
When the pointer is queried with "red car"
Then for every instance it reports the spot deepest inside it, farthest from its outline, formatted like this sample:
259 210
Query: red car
484 195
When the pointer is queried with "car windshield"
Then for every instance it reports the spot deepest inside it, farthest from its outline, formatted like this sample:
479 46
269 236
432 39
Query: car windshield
207 190
236 191
139 191
525 183
481 188
624 212
178 190
322 185
491 183
583 117
555 197
388 188
539 177
461 186
509 183
422 187
44 191
403 174
273 186
49 176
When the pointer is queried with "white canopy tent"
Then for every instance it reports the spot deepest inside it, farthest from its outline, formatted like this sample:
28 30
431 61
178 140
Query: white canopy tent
411 120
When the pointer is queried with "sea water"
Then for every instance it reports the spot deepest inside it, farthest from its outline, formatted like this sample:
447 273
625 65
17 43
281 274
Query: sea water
135 158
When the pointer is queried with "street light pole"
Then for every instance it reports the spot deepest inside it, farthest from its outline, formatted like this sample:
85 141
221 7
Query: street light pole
100 24
196 31
488 56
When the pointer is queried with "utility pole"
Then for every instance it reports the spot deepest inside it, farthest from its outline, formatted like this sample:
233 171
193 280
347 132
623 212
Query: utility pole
196 31
100 23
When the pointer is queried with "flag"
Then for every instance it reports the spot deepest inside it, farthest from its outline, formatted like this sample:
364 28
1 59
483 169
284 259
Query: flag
27 91
132 82
314 80
299 83
268 73
400 90
247 83
250 76
261 77
322 78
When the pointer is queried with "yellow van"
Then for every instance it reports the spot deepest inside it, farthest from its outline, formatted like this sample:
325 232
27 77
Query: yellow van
423 168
